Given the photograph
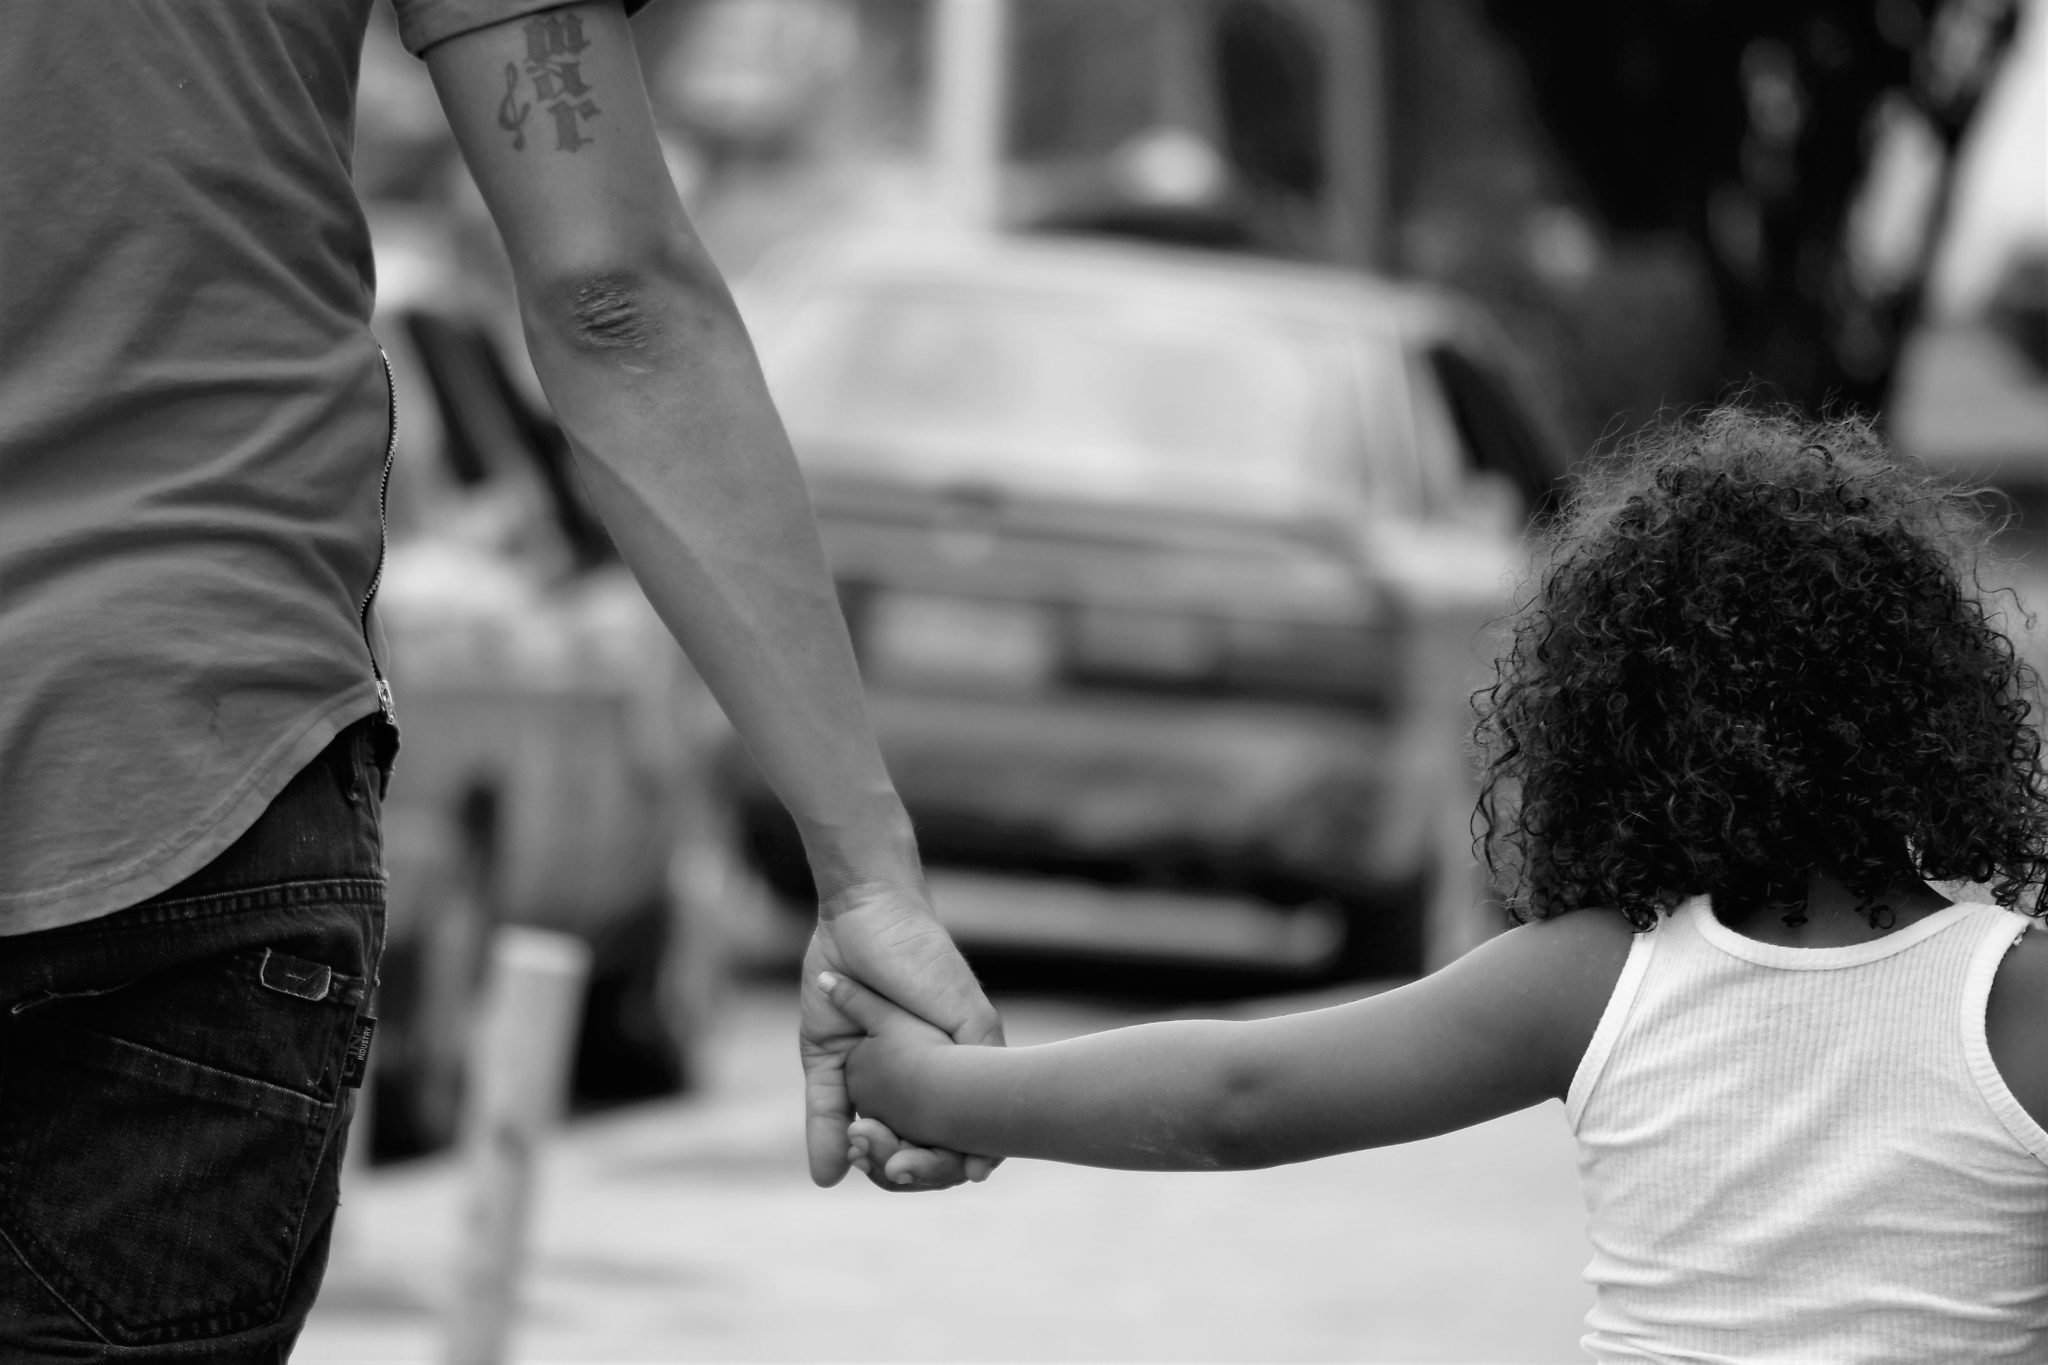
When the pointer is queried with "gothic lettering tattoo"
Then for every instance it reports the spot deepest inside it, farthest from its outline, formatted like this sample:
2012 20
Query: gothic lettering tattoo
553 42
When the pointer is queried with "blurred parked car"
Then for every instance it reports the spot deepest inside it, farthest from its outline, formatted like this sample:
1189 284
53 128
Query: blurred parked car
1164 569
556 747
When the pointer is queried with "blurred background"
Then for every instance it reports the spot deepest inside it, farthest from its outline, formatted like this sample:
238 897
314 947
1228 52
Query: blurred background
1177 382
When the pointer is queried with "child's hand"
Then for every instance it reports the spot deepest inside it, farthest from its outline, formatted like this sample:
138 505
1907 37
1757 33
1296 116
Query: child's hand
871 1148
881 1069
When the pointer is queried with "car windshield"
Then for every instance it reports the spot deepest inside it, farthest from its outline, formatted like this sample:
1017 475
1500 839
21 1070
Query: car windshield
1076 395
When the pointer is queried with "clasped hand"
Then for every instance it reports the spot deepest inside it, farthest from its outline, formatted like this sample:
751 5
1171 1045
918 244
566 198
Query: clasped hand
887 938
881 1074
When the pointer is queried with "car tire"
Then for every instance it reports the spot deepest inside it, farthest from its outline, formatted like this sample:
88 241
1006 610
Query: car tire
624 1048
658 981
427 1001
1421 924
1384 929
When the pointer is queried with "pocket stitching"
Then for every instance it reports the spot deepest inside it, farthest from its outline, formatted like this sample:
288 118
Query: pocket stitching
22 1259
302 1108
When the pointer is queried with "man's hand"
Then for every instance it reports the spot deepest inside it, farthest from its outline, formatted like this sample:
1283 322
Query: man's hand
886 938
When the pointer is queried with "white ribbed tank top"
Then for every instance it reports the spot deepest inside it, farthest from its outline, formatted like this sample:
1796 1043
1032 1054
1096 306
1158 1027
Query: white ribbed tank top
1807 1154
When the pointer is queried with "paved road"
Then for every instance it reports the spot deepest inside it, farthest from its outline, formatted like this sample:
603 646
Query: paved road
688 1231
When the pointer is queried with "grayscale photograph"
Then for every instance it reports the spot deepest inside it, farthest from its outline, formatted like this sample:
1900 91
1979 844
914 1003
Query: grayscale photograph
1102 682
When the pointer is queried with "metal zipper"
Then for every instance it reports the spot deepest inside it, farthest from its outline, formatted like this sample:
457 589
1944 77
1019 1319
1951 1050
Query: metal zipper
383 539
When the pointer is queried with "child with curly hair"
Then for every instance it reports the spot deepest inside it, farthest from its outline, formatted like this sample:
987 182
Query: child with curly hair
1752 708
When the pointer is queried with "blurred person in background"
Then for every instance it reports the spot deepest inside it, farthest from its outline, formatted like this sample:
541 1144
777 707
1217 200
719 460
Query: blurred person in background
195 733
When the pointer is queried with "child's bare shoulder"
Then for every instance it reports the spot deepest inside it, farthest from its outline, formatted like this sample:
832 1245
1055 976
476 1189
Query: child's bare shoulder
1570 957
1578 950
2016 1022
1562 972
1591 929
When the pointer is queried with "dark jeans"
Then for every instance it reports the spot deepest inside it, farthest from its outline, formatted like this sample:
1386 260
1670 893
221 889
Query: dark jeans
172 1097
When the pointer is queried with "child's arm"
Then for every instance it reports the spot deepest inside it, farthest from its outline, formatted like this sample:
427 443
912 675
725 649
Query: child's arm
1497 1031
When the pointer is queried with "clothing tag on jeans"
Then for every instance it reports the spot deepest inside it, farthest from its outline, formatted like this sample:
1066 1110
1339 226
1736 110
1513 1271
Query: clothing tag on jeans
357 1061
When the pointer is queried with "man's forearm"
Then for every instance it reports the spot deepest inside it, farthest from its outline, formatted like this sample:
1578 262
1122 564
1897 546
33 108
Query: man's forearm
655 382
649 370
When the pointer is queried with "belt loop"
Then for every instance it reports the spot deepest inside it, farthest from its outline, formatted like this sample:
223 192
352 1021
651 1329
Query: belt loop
381 748
351 759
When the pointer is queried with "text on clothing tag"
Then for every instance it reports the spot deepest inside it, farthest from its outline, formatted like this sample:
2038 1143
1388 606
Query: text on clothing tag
357 1060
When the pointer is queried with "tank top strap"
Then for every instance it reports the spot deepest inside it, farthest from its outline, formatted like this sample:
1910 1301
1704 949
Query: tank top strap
1997 931
1613 1018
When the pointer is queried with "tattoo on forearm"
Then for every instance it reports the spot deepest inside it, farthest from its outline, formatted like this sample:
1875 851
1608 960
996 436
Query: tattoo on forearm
511 113
553 42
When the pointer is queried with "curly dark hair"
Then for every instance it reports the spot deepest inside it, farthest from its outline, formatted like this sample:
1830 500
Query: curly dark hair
1755 648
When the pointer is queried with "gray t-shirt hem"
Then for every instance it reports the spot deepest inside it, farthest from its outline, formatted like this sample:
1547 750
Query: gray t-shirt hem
192 848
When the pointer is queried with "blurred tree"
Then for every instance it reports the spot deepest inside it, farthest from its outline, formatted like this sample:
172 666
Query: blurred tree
1749 126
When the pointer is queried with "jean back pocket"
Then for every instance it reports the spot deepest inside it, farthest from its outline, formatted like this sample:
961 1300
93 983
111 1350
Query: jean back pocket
159 1143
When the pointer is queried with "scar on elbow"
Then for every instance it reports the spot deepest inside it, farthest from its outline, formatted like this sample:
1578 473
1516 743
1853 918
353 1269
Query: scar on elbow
608 313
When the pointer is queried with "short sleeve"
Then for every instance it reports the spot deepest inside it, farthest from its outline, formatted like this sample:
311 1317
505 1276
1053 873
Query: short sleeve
422 23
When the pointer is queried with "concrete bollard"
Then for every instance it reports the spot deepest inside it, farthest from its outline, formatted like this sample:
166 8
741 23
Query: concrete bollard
518 1075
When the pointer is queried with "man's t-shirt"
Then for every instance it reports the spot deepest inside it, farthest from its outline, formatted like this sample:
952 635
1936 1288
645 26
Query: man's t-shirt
194 425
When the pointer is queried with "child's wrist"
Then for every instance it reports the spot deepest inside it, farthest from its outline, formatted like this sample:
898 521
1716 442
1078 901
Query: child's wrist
932 1077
